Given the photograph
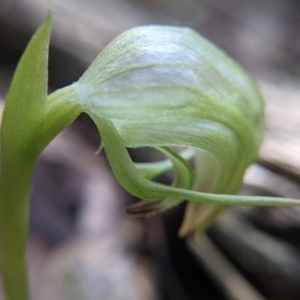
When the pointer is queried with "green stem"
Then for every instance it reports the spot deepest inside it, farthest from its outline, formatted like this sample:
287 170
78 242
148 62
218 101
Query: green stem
14 188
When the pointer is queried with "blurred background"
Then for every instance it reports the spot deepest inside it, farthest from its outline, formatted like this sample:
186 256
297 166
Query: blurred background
81 244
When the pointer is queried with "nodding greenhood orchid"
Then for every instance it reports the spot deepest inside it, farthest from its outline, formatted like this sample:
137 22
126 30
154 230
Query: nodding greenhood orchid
153 86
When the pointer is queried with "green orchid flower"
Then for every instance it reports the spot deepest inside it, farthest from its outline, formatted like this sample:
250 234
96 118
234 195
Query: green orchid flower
153 86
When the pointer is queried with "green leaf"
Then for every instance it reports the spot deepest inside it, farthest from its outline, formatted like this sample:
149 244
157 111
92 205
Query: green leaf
21 131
